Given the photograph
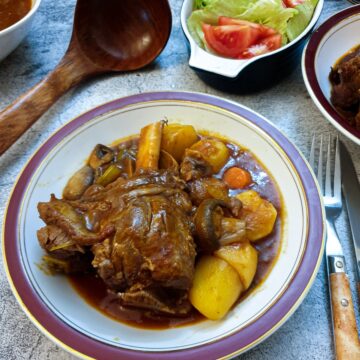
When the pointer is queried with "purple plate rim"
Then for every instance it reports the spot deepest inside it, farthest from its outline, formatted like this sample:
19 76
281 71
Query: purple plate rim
309 67
84 346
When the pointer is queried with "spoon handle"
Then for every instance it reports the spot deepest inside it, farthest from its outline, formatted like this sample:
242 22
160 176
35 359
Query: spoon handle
16 118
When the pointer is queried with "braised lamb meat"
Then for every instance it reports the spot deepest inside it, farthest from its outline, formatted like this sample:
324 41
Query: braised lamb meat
194 166
62 214
152 249
207 188
139 230
53 239
345 92
150 225
66 256
153 242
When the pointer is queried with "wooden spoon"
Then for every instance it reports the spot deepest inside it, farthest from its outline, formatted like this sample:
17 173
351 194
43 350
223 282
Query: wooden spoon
109 35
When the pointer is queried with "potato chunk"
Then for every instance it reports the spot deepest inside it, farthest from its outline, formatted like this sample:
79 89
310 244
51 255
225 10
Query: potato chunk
258 213
216 287
213 151
176 138
243 258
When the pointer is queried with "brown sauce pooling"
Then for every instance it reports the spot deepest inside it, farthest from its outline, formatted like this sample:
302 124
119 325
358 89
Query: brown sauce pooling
93 290
11 11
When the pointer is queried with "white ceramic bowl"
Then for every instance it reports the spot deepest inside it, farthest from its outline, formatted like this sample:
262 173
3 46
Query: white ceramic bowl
256 72
334 38
12 36
54 306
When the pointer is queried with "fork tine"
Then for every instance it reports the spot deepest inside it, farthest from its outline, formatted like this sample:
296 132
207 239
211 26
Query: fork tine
328 191
337 172
320 165
312 153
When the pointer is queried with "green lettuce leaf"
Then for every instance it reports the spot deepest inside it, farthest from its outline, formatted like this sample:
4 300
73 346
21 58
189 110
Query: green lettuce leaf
270 13
230 8
201 4
300 21
194 24
208 12
267 12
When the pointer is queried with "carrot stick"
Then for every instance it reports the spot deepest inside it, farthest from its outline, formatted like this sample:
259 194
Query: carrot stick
149 146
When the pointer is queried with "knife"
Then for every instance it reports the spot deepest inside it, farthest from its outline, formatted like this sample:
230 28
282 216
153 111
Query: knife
351 189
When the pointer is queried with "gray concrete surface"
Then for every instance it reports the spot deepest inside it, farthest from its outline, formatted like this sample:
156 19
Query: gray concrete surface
307 334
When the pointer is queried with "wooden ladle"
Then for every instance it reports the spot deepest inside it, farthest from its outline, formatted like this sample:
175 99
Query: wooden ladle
108 35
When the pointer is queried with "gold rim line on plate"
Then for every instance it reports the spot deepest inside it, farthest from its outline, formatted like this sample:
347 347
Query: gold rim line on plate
77 353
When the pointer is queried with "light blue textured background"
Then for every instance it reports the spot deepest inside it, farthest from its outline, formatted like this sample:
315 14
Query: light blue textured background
307 334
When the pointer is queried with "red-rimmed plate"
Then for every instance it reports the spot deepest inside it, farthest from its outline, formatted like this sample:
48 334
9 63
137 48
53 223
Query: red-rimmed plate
55 308
333 39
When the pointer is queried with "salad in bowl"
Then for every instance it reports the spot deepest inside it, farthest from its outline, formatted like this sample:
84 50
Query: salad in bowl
243 29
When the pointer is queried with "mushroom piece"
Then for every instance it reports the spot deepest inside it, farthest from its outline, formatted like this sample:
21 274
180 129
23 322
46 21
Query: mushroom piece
194 166
213 229
78 183
101 155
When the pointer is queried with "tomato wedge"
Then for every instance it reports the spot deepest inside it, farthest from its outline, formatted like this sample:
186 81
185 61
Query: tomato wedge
263 30
273 42
266 45
240 39
224 20
292 3
229 40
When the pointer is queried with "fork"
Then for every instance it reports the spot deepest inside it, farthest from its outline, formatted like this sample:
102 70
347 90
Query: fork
343 315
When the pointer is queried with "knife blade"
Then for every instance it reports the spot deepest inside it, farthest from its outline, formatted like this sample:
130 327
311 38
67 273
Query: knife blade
351 190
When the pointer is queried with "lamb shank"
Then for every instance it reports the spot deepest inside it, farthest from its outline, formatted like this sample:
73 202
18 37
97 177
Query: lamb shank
139 230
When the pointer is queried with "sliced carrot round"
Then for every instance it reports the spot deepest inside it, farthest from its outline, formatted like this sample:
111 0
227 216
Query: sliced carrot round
237 178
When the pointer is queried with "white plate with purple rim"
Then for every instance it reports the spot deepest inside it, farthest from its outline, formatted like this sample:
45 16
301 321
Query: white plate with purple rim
61 314
330 41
